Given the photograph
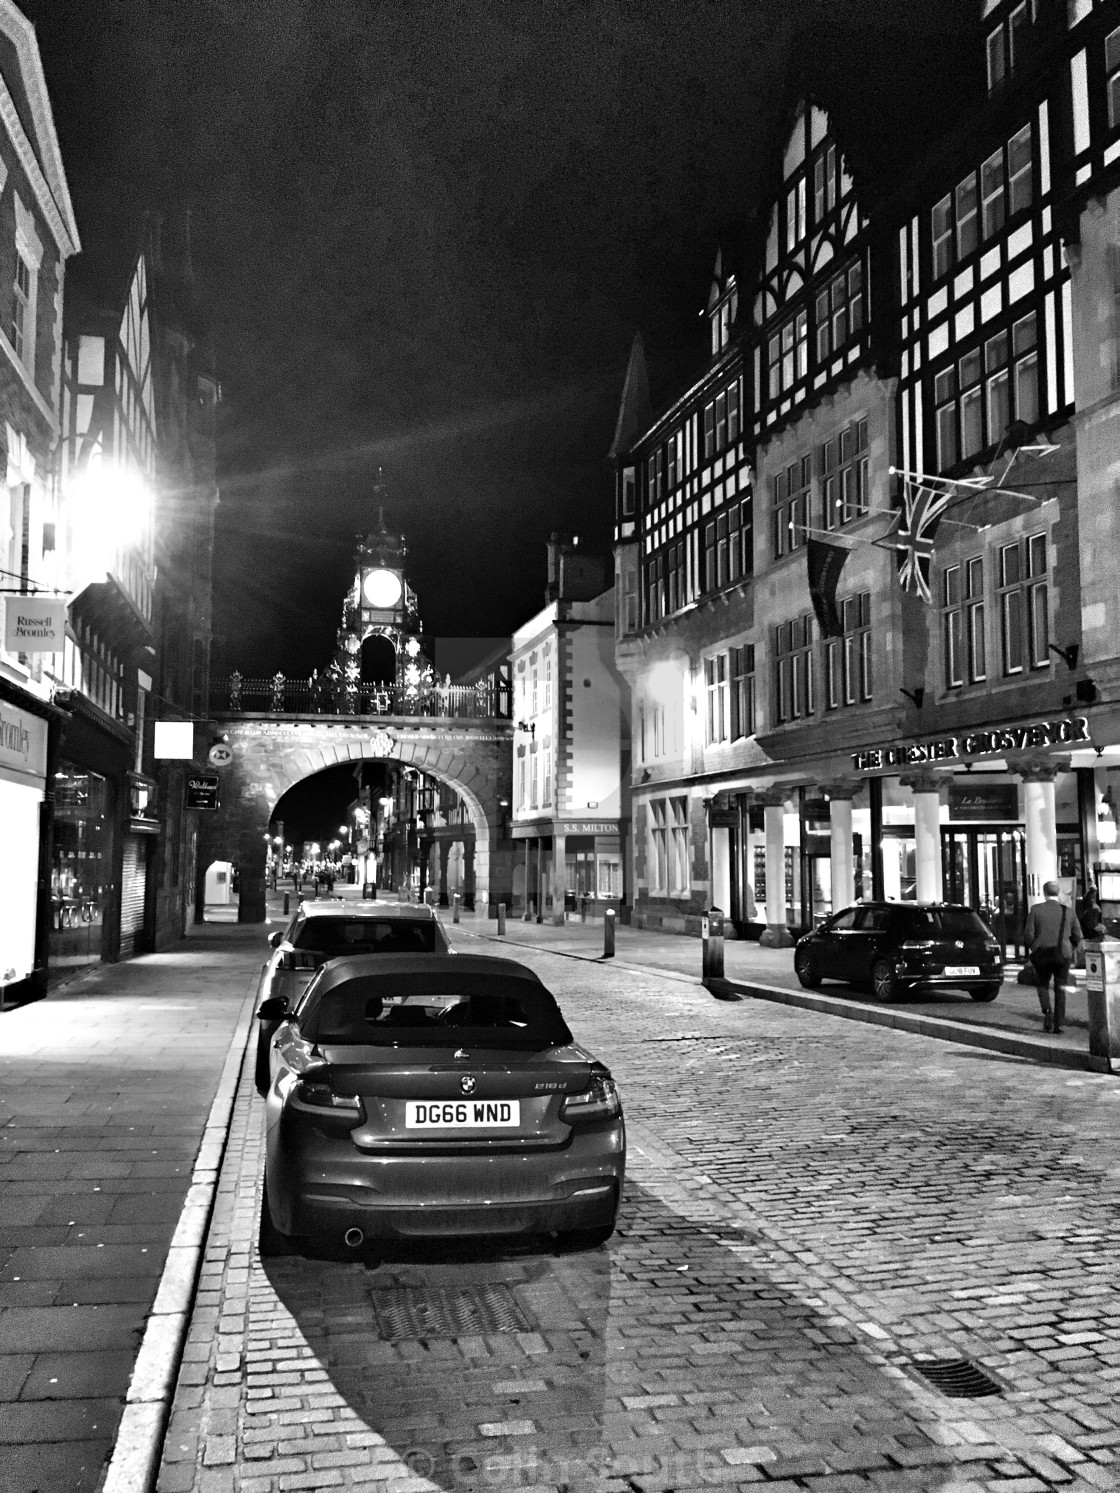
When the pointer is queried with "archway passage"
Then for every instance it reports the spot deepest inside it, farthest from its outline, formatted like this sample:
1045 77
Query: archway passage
378 661
221 898
272 754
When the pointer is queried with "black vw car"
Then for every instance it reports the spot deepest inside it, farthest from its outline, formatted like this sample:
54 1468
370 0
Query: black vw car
899 947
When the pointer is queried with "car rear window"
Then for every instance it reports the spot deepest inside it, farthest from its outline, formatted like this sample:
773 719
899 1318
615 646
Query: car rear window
336 936
465 1009
951 922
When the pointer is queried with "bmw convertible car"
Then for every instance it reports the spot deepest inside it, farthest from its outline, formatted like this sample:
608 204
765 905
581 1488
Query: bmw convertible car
324 930
413 1095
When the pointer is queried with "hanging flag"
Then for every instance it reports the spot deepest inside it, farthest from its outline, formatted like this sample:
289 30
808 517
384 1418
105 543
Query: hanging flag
825 562
922 510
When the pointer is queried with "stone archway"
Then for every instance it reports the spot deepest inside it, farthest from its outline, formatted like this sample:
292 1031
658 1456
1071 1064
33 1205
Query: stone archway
272 754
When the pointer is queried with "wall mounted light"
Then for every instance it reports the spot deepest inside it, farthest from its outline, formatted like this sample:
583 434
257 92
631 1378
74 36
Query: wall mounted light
1068 655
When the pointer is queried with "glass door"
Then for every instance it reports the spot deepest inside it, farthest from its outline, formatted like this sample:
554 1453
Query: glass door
985 869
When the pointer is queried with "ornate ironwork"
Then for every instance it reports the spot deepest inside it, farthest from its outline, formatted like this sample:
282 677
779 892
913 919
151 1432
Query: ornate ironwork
330 694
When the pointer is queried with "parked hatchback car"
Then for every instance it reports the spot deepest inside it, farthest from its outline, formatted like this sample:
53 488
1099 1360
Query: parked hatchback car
413 1095
325 930
898 947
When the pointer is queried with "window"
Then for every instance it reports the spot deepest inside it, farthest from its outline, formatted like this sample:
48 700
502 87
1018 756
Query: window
546 789
1024 604
1020 187
521 778
1112 71
733 407
678 846
655 477
658 845
993 209
839 312
966 216
848 659
844 475
628 504
824 183
791 506
741 664
709 431
942 229
793 668
997 58
548 681
952 625
978 398
655 589
795 213
715 682
21 305
788 355
1007 44
723 317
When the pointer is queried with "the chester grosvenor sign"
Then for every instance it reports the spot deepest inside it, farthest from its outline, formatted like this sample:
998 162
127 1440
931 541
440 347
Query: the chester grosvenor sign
1063 732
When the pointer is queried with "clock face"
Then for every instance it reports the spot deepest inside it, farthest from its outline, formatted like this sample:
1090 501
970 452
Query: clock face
382 588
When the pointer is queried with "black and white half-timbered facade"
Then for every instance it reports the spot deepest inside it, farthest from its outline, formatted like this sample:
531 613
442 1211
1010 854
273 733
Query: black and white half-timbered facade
868 623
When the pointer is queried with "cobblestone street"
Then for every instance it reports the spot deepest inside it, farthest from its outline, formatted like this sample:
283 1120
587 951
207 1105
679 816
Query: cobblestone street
816 1210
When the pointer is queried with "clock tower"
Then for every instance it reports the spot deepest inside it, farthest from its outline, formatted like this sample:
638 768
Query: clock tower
381 604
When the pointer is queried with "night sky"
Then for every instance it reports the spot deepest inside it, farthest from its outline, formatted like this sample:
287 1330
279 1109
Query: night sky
427 233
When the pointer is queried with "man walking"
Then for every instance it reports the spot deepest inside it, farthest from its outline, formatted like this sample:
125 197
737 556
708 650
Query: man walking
1052 932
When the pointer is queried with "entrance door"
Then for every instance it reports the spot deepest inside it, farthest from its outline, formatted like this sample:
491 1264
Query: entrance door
985 869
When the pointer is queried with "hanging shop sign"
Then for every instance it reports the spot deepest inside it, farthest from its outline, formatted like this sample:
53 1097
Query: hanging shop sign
34 624
202 790
1064 732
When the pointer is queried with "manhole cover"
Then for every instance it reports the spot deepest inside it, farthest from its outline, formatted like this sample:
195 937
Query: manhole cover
409 1312
957 1378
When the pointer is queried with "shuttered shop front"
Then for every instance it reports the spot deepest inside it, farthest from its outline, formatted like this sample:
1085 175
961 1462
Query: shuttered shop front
133 882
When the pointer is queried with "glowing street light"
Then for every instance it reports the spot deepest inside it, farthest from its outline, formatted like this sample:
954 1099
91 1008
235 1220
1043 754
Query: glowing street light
110 512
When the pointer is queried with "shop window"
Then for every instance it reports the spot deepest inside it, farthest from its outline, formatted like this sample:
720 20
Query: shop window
1112 71
791 506
844 475
716 687
848 659
669 864
741 664
1024 604
610 878
793 668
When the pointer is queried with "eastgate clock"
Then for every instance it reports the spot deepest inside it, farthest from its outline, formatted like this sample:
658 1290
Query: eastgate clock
382 588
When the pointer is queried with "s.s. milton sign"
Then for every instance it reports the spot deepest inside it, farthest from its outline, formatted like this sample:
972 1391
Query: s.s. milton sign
1065 732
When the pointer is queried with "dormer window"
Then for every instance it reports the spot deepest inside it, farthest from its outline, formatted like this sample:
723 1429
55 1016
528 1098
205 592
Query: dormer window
723 315
1006 43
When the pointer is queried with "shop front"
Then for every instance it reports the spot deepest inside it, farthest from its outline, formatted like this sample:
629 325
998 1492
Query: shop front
567 866
23 783
983 818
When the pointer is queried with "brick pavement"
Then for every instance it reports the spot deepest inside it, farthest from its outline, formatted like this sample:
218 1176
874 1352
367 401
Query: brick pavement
813 1207
105 1090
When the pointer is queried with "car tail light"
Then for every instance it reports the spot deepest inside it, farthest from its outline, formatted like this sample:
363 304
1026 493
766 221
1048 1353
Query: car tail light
922 944
599 1101
316 1093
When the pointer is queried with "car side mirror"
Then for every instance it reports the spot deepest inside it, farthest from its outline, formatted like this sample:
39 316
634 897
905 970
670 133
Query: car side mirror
275 940
275 1008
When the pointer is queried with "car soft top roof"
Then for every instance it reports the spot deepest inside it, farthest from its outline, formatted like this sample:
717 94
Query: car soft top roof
378 966
418 912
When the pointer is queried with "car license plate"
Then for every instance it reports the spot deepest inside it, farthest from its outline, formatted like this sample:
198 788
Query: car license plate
462 1114
962 969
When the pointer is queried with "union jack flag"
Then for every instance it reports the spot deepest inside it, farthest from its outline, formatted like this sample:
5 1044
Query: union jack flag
922 511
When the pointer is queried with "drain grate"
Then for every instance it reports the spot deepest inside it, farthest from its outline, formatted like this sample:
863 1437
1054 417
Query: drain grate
957 1378
409 1312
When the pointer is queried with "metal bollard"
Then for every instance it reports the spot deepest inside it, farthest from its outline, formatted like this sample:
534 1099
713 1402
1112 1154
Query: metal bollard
501 920
608 933
711 933
455 901
583 909
287 907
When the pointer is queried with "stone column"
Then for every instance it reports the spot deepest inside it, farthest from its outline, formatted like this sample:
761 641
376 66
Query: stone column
1041 821
559 874
926 788
444 852
469 884
840 797
776 934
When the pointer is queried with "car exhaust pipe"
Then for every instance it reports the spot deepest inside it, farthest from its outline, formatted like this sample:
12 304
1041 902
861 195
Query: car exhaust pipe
354 1237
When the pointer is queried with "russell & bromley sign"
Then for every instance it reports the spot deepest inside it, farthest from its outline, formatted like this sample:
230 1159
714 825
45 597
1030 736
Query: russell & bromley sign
1064 732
